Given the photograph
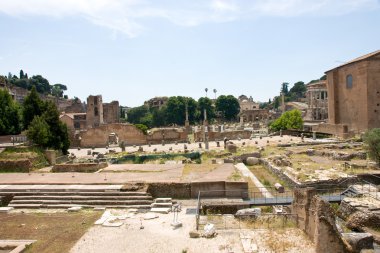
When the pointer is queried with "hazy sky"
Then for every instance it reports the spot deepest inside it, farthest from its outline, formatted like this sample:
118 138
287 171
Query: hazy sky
132 50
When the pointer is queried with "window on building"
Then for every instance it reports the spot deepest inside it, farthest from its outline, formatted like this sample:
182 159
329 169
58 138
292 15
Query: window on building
76 125
96 111
349 81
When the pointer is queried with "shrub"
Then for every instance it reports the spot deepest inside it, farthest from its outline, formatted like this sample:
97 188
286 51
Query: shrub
372 143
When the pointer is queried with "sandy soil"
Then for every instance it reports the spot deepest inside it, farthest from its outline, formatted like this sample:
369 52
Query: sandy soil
158 237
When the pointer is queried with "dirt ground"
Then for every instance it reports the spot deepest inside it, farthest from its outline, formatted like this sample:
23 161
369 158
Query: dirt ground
54 232
158 236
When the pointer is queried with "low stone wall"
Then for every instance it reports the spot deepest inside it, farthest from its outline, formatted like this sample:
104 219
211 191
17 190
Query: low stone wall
213 208
19 165
218 189
171 190
79 167
277 171
219 136
339 182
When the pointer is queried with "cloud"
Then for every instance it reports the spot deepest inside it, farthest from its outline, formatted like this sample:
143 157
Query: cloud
126 16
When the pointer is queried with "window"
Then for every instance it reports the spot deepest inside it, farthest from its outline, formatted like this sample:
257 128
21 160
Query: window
96 111
349 82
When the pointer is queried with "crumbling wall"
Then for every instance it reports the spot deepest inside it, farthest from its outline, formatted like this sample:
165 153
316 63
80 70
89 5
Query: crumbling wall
13 165
317 219
79 167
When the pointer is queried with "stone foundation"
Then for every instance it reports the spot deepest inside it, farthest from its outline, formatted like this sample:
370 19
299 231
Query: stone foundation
79 167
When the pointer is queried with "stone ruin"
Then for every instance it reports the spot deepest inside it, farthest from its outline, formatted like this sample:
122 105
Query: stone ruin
317 219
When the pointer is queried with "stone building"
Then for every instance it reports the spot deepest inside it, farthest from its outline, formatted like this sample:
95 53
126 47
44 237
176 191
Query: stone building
354 97
317 102
156 102
111 112
99 113
74 121
250 110
247 103
95 115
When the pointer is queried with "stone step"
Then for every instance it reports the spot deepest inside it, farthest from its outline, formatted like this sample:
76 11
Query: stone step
65 206
84 202
163 210
74 197
59 188
80 193
162 205
163 200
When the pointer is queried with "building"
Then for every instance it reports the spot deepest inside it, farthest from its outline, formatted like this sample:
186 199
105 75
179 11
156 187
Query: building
156 102
353 97
111 112
247 103
317 101
74 121
99 113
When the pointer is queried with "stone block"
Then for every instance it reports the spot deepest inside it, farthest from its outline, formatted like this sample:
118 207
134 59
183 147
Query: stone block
252 161
359 241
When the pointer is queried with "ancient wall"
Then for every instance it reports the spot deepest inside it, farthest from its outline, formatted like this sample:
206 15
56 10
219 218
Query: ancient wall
67 120
12 165
167 134
99 136
373 92
111 112
79 167
95 115
75 107
316 218
339 130
219 136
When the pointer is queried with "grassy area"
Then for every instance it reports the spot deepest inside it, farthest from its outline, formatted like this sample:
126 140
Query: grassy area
197 169
34 154
235 176
267 178
54 232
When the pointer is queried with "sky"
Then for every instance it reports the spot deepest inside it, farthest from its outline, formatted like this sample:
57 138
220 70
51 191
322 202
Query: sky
133 50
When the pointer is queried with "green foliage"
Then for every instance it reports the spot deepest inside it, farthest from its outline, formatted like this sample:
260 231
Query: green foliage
137 113
38 131
58 89
142 127
285 88
206 103
372 143
10 117
48 131
298 90
33 106
228 106
288 120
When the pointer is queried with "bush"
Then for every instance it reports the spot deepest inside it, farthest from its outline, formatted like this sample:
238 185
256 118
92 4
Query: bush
372 143
288 120
142 127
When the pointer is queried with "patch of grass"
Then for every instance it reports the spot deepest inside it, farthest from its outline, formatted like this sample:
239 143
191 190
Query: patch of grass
235 176
34 154
267 178
54 232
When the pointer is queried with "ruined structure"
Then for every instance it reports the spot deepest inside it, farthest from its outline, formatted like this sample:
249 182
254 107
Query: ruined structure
354 97
250 111
317 101
316 218
156 102
75 121
99 113
105 134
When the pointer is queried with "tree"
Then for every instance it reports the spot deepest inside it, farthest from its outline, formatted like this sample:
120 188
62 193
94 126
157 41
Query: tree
372 140
298 89
206 103
41 83
53 133
38 131
10 120
21 74
285 88
33 106
175 110
58 138
135 114
288 120
228 106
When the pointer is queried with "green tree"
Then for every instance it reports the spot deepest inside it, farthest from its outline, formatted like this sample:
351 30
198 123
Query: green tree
372 143
135 114
33 106
228 106
159 117
38 131
58 138
288 120
58 89
175 110
41 83
142 127
10 117
298 89
22 74
285 88
206 103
